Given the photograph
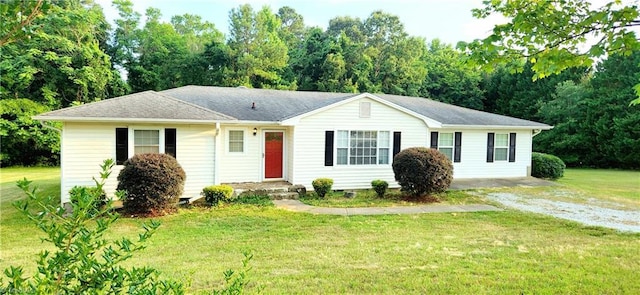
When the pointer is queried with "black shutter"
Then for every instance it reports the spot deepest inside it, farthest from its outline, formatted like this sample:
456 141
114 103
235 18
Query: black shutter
457 148
397 137
122 145
434 140
170 141
328 148
490 137
512 147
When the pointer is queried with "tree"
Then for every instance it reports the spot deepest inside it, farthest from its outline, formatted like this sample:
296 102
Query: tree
449 79
25 141
259 55
554 35
18 17
62 61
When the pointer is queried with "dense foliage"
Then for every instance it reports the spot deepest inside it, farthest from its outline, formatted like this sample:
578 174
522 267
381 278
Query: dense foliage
215 194
546 166
421 171
380 187
322 186
153 184
25 141
83 260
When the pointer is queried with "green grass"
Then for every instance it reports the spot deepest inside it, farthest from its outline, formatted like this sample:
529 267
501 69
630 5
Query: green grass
393 197
506 252
607 184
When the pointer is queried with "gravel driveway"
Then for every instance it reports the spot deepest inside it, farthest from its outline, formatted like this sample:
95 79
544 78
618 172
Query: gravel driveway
592 212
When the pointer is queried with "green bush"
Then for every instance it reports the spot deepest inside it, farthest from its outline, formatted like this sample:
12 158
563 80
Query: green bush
546 166
322 186
81 260
421 170
380 186
153 184
215 194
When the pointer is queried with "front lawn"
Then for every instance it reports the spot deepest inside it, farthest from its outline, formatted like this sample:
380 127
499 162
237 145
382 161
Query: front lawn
506 252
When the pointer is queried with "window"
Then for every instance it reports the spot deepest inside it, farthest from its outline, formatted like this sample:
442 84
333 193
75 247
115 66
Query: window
501 147
445 144
362 147
146 141
236 141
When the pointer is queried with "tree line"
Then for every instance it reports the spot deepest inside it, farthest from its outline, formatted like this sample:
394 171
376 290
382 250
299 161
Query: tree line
68 54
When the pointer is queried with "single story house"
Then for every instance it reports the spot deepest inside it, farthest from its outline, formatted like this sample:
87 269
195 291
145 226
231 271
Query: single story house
227 135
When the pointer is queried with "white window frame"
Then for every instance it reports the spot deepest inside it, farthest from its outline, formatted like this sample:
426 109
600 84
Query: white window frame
497 147
244 141
444 148
345 148
132 134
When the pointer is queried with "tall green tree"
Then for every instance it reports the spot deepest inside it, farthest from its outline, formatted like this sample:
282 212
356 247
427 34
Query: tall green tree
258 54
554 35
62 61
516 94
449 79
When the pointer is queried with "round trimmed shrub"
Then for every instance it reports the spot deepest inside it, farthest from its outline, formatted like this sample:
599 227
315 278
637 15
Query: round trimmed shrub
546 166
322 186
214 194
421 170
380 187
153 184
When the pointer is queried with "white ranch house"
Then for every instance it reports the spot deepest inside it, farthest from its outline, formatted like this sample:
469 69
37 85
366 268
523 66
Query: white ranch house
227 135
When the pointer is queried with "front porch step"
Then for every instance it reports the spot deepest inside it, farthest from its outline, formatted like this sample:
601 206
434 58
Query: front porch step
274 190
284 196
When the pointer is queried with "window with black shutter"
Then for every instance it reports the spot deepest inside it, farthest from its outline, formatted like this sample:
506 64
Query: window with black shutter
122 145
170 142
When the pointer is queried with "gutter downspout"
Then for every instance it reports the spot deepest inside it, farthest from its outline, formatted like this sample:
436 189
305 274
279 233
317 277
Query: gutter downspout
43 123
216 154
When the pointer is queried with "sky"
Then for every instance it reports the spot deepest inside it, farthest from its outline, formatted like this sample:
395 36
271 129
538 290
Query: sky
448 20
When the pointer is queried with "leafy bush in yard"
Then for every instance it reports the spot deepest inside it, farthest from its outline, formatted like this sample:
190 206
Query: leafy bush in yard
546 166
153 183
83 261
380 186
322 186
215 194
421 170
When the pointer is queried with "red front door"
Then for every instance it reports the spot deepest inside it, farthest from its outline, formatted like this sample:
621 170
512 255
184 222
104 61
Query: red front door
273 154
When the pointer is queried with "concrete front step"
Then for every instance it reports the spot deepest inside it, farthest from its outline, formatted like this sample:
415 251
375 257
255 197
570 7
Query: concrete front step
276 191
284 196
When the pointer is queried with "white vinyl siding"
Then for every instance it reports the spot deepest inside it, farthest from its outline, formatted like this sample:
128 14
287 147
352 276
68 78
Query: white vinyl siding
474 153
85 145
309 145
501 147
146 141
445 144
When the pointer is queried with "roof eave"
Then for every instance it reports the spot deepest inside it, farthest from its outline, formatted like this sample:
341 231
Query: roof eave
120 120
498 127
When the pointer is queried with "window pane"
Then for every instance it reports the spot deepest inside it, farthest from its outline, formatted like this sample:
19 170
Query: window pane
383 158
383 139
501 154
445 139
343 139
447 152
146 141
502 140
236 141
342 156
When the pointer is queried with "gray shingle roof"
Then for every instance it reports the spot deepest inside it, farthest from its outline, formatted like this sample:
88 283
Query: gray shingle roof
149 105
208 103
270 105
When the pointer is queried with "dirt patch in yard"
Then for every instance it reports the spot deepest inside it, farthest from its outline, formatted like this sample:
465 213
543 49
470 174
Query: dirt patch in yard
592 212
